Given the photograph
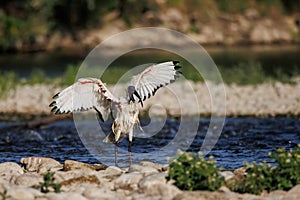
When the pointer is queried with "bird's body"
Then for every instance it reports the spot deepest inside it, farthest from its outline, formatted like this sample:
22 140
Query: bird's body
125 118
91 93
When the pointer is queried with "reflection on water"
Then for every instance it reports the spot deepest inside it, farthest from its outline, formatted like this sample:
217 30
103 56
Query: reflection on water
272 58
242 139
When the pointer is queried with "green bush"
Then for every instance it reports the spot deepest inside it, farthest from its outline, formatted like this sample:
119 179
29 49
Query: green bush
192 172
244 73
69 75
287 173
262 176
49 184
8 81
259 177
37 76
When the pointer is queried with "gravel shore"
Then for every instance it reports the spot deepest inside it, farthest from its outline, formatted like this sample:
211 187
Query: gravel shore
80 181
179 98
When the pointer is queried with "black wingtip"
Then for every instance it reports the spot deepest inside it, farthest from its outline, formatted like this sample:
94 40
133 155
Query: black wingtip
175 62
54 109
177 67
55 96
52 104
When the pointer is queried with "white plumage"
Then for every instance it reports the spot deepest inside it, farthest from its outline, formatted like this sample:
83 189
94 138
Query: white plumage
91 93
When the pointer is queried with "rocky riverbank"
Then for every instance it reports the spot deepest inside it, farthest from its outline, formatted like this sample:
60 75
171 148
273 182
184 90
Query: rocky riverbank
179 98
78 181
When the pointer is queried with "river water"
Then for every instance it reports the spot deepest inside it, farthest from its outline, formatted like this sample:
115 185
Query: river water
285 59
242 139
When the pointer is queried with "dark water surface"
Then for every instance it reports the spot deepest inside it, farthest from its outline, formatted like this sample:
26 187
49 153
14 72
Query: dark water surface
242 139
283 58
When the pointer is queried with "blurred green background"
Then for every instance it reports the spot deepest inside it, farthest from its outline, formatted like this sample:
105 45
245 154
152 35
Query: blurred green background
24 20
29 27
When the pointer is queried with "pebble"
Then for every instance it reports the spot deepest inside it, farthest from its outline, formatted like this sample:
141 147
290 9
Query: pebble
241 100
293 194
114 183
29 180
145 170
152 179
128 181
64 196
92 179
10 169
227 175
159 167
41 165
102 193
22 193
75 165
61 176
112 172
167 191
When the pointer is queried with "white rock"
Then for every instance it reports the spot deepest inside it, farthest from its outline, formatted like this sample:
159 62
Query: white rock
65 196
227 174
139 196
62 175
166 191
10 167
10 170
28 180
22 193
41 198
40 164
152 179
159 167
128 181
75 165
101 193
145 170
293 194
112 172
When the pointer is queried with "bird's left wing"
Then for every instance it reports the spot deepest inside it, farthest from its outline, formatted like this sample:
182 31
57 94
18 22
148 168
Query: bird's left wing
85 94
153 78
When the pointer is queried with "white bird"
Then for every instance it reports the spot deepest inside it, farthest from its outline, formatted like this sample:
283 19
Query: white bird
92 93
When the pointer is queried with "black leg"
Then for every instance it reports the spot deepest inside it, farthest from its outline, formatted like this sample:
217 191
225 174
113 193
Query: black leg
116 154
129 152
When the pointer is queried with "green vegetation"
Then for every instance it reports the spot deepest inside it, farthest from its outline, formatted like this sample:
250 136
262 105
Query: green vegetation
191 172
3 194
265 177
22 22
242 74
69 76
49 184
8 81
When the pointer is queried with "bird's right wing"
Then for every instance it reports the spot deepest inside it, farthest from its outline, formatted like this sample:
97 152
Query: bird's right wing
85 94
153 78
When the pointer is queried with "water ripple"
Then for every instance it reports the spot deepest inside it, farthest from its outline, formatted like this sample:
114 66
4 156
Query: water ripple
242 139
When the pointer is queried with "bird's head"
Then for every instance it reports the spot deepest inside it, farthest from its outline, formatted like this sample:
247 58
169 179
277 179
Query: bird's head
131 91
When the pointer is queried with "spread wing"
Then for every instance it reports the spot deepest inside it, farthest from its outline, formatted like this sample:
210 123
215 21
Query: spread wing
85 94
152 78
